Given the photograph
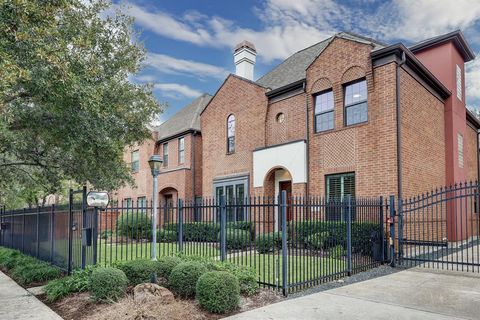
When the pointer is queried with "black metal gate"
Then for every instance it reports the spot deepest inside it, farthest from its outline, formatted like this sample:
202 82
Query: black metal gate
82 232
440 229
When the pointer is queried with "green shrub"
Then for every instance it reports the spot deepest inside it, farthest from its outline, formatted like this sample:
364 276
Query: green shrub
77 282
184 277
236 238
361 232
268 242
134 225
167 235
9 258
218 291
165 265
106 234
28 271
137 271
336 252
196 231
246 276
317 240
107 284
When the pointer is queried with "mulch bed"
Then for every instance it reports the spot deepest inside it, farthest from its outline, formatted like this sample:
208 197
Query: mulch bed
79 306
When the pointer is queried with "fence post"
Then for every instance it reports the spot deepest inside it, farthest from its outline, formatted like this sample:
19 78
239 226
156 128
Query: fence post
382 229
392 230
180 225
400 230
23 231
223 229
95 234
70 234
284 243
349 235
38 232
52 232
84 220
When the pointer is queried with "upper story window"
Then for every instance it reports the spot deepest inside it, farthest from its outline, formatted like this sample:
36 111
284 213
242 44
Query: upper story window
181 150
324 114
231 134
165 154
128 203
141 202
135 161
459 82
356 106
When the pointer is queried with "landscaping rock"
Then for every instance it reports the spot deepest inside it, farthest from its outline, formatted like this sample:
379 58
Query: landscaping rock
150 291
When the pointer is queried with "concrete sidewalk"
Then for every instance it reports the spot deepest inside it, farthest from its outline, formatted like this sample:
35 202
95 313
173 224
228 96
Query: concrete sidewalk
18 303
411 294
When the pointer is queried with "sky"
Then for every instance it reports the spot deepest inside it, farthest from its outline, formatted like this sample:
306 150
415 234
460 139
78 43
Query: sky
190 43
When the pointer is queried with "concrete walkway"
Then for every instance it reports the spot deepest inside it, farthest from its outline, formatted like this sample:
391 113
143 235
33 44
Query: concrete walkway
411 294
18 303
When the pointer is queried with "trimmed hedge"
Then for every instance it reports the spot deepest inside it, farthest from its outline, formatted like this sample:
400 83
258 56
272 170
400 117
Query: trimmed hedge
218 291
337 230
134 225
107 284
268 242
184 277
196 231
236 238
317 240
137 271
167 235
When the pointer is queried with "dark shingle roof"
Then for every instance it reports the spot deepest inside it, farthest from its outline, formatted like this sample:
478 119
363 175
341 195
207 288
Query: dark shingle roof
293 68
188 118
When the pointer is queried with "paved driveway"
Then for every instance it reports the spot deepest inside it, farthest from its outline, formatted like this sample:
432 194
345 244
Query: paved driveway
412 294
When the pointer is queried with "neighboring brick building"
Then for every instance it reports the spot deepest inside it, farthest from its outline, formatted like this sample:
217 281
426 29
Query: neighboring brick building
179 142
346 116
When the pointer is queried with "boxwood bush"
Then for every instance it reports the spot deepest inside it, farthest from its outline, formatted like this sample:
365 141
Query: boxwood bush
137 271
165 265
184 277
218 291
167 235
268 242
246 276
107 284
134 225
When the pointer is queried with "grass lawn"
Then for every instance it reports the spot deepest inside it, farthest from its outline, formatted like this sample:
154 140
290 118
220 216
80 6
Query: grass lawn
300 268
108 253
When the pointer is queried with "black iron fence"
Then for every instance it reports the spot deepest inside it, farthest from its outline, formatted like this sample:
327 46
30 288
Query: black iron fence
440 229
292 243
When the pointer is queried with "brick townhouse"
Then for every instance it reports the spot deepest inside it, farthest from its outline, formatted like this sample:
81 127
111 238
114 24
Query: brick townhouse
346 116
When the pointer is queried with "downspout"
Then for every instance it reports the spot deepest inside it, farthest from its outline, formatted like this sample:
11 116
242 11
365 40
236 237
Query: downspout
307 185
399 131
193 166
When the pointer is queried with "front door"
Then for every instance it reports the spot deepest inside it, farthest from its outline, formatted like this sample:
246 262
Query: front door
287 186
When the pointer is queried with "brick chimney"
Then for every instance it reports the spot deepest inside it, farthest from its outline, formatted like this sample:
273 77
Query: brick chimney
244 56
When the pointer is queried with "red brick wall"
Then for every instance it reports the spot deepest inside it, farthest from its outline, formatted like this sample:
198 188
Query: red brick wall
470 153
369 149
291 129
248 103
423 138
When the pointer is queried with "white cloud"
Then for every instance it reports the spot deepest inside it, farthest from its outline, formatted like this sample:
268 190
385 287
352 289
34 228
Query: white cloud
168 64
472 83
176 90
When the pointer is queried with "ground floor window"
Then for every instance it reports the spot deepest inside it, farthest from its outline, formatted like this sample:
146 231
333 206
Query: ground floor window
338 188
234 191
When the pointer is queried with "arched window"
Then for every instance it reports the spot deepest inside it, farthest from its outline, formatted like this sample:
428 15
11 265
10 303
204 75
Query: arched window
231 134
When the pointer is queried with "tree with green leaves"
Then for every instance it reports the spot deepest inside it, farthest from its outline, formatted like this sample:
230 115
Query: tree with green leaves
67 106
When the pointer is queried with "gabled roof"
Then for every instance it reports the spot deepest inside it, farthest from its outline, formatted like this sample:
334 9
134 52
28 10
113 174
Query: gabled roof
186 119
293 69
458 40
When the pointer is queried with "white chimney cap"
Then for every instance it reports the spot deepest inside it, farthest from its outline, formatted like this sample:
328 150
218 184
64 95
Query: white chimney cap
245 44
244 57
